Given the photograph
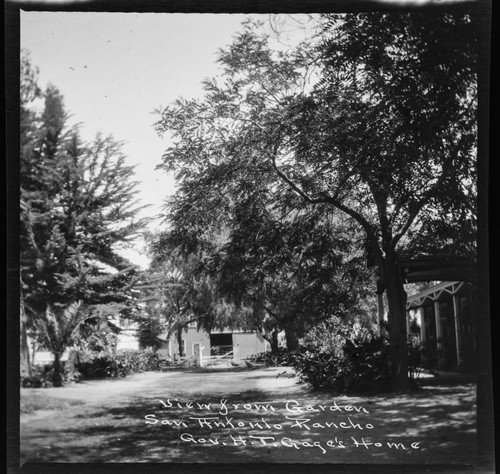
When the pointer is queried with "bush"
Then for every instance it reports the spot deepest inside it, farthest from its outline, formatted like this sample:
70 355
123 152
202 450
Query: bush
283 357
338 357
148 360
86 365
71 373
366 361
99 367
41 377
121 365
342 358
128 362
415 357
319 369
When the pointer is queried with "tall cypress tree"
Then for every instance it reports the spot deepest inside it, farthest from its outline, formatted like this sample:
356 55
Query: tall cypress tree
78 207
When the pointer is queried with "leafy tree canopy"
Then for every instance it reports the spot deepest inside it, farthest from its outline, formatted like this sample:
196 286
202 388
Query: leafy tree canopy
374 118
78 207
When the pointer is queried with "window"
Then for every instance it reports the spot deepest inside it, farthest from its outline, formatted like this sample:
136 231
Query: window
196 349
165 346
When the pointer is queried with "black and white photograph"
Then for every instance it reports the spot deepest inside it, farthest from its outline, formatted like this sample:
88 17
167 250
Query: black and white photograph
250 238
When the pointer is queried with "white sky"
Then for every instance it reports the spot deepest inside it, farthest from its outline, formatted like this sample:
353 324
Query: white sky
114 69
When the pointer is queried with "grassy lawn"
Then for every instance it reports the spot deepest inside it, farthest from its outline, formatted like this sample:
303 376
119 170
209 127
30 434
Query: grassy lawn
37 400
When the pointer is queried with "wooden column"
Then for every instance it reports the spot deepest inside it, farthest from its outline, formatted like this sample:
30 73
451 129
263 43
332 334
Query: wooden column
437 315
456 316
200 355
422 323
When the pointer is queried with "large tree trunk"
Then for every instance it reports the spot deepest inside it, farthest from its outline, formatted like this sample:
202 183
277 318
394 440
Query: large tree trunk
179 342
292 341
396 301
57 377
272 338
274 341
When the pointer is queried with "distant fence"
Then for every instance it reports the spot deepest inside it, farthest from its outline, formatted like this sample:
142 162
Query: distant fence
222 359
220 350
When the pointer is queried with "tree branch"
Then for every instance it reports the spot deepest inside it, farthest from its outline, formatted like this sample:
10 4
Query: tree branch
415 210
325 199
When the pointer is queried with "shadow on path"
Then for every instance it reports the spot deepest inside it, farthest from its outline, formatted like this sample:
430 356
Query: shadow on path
205 419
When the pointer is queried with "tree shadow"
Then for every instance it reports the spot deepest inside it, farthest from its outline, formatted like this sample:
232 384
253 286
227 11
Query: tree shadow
441 420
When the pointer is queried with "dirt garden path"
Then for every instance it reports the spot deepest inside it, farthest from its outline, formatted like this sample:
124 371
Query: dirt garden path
245 416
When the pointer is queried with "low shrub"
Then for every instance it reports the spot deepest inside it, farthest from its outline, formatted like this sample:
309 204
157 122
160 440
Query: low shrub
120 365
88 366
282 357
319 369
416 357
339 357
342 358
140 361
97 368
41 377
366 361
128 363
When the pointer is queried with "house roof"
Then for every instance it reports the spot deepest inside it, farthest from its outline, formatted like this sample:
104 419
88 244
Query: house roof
440 268
434 293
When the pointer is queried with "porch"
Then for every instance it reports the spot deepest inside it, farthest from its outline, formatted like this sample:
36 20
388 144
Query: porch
444 313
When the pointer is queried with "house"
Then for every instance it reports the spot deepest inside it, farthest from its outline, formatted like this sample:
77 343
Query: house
235 345
445 313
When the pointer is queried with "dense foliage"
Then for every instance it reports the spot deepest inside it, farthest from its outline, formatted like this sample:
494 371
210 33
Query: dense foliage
105 365
341 357
303 174
182 291
121 365
77 208
372 120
